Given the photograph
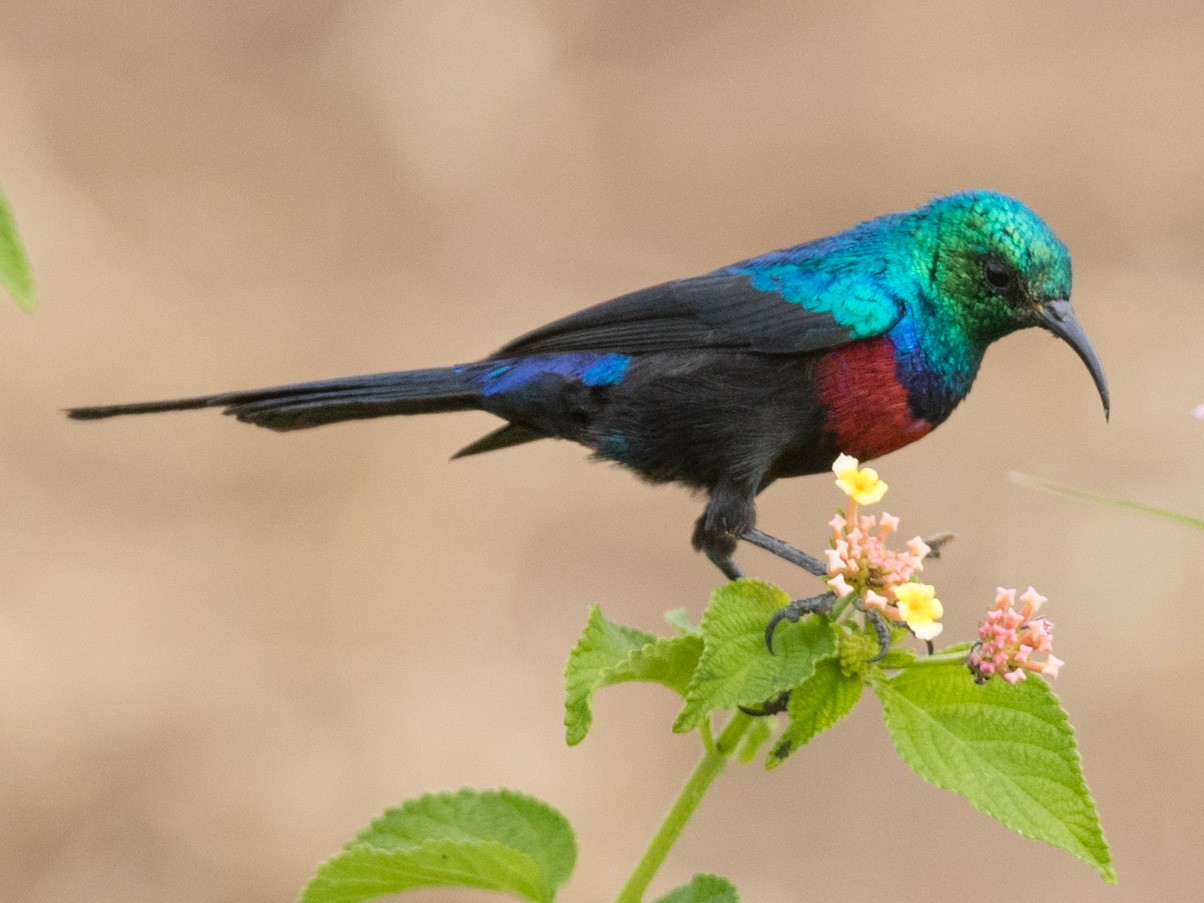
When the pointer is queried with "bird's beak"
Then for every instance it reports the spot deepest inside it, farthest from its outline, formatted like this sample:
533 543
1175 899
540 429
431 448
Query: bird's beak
1058 317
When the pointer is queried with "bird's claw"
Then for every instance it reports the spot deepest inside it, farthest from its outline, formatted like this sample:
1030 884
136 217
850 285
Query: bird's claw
821 604
883 632
769 707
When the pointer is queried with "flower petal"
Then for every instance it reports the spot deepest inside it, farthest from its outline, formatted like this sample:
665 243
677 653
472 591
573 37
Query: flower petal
843 464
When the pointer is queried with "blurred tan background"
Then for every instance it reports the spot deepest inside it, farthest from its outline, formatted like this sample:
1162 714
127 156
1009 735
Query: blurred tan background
223 650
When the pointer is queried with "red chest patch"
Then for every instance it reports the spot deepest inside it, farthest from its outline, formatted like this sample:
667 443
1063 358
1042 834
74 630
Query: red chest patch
868 413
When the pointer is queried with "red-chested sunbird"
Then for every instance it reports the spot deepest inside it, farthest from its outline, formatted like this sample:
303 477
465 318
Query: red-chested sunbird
858 343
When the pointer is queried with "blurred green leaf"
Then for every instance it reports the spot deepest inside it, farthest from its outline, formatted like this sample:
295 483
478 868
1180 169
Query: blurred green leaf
761 730
1039 483
703 889
680 622
14 267
493 840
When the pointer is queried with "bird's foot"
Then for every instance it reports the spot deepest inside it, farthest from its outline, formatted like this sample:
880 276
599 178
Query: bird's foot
881 630
937 542
821 604
769 707
785 551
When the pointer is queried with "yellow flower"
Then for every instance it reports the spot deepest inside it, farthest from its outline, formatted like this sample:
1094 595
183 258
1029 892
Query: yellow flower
920 609
861 484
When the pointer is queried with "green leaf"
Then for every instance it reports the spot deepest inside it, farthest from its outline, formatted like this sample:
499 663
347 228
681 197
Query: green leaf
1009 749
760 731
609 654
365 873
680 621
735 667
1049 486
703 889
493 840
897 657
14 267
815 705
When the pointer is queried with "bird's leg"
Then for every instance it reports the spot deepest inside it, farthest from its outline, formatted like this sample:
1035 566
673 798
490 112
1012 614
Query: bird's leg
729 517
785 551
717 548
729 514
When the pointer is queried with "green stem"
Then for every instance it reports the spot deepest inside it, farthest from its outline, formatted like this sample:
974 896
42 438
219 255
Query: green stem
705 772
940 658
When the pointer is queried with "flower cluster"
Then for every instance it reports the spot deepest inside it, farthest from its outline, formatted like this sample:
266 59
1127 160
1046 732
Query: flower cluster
1008 639
860 562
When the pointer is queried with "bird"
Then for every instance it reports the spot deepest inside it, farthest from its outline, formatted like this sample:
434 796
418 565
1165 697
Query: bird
857 343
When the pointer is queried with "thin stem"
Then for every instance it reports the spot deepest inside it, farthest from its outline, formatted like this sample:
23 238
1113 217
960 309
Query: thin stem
705 772
940 658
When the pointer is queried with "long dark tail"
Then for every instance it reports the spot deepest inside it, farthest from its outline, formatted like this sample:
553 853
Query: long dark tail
303 405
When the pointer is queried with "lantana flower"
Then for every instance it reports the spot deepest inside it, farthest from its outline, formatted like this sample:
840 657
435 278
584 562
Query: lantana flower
915 604
861 484
860 562
919 609
861 567
1009 638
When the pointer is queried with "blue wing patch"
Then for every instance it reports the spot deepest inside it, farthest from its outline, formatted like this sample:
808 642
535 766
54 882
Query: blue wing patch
604 369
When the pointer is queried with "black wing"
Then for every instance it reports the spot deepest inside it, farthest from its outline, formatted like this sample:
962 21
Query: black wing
721 311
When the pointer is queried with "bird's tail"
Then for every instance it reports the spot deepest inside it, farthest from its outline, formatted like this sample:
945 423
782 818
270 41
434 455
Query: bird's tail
303 405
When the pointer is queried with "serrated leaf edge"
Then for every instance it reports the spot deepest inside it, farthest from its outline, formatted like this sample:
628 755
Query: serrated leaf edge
1104 867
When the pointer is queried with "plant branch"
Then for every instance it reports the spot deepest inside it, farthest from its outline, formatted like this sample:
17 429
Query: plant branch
705 772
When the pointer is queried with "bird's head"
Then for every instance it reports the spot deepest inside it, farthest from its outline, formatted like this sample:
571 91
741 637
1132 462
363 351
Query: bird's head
994 267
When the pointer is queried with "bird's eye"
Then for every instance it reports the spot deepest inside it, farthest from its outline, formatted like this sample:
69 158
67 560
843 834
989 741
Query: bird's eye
998 274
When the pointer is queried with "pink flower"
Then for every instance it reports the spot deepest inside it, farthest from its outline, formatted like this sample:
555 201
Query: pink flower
1051 666
1032 600
863 563
837 557
875 601
918 548
1009 638
838 585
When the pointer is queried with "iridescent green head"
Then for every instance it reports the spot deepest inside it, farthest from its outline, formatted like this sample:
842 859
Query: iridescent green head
994 267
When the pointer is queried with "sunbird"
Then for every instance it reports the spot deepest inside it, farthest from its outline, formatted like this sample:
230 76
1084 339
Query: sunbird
858 343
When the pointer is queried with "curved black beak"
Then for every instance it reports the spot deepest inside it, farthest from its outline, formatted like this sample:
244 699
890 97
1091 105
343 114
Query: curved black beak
1058 317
